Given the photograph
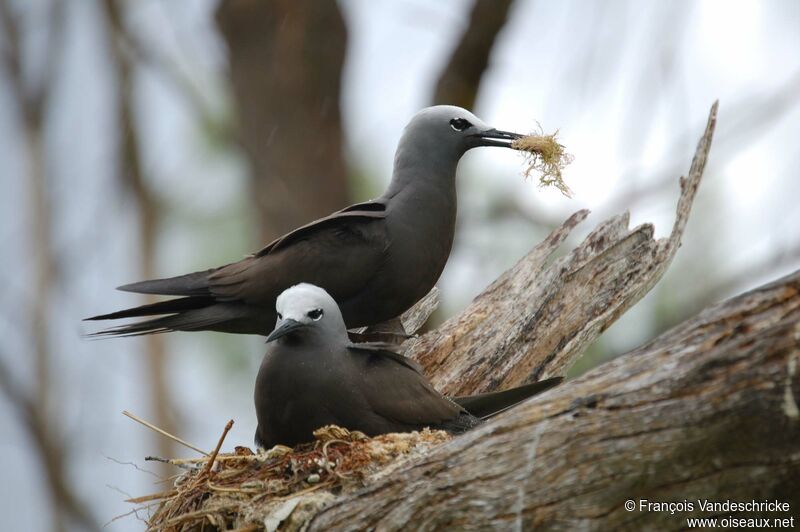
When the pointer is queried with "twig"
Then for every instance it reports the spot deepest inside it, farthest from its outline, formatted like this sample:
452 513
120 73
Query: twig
182 464
197 461
223 489
315 487
202 514
119 490
134 511
152 497
135 466
163 432
228 427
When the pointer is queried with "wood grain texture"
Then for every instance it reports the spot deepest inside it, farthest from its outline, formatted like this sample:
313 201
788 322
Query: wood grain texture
538 317
707 410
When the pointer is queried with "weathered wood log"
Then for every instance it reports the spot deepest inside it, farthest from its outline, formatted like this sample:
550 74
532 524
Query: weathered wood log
708 410
538 318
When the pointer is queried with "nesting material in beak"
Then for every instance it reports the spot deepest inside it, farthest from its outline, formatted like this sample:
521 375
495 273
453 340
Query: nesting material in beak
546 157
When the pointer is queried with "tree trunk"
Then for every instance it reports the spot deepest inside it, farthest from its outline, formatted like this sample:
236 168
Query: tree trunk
285 60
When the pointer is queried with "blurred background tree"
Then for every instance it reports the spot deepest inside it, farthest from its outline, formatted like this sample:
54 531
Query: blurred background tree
151 138
285 65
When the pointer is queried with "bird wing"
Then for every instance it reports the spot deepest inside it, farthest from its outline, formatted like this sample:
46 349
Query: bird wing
339 253
490 404
396 390
198 284
366 210
392 351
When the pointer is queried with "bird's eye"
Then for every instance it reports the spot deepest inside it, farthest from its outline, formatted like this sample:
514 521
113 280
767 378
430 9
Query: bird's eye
280 316
315 314
459 124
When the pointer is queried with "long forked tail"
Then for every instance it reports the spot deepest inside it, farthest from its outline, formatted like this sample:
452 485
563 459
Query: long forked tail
172 306
196 310
184 314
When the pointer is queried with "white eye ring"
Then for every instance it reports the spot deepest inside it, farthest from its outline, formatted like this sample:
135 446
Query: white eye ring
315 314
459 124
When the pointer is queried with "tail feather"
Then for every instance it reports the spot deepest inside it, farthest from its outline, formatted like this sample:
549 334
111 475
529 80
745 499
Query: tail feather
486 405
191 284
172 306
223 317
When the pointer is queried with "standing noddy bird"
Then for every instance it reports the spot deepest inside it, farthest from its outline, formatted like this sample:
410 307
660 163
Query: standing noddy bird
312 376
376 258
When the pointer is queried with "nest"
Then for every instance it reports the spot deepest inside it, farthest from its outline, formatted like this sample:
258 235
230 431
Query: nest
282 486
545 156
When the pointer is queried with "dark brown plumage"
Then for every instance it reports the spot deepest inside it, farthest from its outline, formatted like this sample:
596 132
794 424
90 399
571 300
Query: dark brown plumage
313 376
376 258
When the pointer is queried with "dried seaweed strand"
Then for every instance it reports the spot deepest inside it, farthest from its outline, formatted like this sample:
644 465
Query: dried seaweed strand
545 156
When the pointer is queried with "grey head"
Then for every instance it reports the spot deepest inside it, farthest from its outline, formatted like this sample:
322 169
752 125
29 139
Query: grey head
307 311
436 138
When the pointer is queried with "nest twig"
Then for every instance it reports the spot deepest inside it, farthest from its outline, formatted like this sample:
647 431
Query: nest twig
545 156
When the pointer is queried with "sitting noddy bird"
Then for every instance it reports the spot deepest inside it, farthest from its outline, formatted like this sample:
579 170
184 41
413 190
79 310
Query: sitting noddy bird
376 258
312 376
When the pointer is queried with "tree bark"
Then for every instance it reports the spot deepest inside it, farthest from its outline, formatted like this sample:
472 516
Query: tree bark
285 60
708 410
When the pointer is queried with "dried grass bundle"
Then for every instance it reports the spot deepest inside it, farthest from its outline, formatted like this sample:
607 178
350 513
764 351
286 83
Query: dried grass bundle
545 156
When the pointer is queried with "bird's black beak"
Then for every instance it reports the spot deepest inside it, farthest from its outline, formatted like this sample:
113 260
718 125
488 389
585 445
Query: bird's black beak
288 325
494 137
